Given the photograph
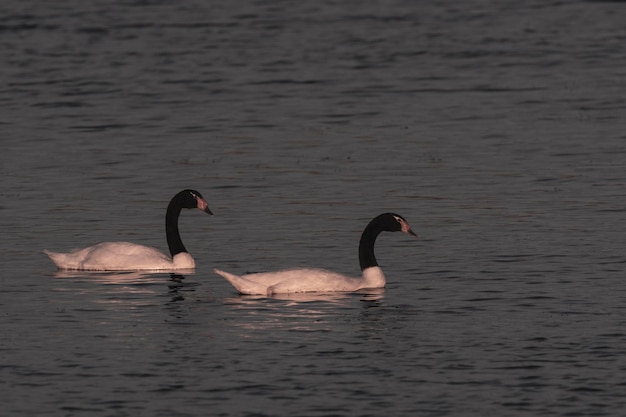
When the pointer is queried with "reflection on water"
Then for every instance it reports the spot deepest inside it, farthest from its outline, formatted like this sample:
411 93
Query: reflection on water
130 289
124 277
302 312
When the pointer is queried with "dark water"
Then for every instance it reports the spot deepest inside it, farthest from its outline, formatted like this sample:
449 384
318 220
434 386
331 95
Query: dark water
496 128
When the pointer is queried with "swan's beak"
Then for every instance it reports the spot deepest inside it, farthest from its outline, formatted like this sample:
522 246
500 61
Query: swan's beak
406 228
204 206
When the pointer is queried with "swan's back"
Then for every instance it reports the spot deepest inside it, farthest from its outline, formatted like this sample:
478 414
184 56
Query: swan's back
119 256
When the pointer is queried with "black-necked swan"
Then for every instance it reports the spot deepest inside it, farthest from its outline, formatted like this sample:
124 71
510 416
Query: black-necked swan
321 280
125 256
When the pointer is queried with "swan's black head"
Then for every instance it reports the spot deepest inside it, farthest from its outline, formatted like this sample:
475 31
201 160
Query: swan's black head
386 222
391 222
191 199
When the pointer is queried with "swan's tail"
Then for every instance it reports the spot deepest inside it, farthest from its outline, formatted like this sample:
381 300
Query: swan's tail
232 278
241 284
225 274
59 259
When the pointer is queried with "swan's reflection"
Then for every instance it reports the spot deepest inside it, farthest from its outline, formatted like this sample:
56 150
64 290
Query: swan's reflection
300 312
126 286
122 277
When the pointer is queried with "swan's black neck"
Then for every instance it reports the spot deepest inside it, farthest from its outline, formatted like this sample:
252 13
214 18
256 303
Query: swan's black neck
366 245
174 241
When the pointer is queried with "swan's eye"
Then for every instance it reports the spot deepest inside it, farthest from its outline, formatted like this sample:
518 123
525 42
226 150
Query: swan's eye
398 219
194 196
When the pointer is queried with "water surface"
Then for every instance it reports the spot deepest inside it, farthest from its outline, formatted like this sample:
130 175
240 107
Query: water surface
495 128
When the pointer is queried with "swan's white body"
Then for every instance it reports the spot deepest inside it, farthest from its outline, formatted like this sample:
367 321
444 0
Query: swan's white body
292 281
120 256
